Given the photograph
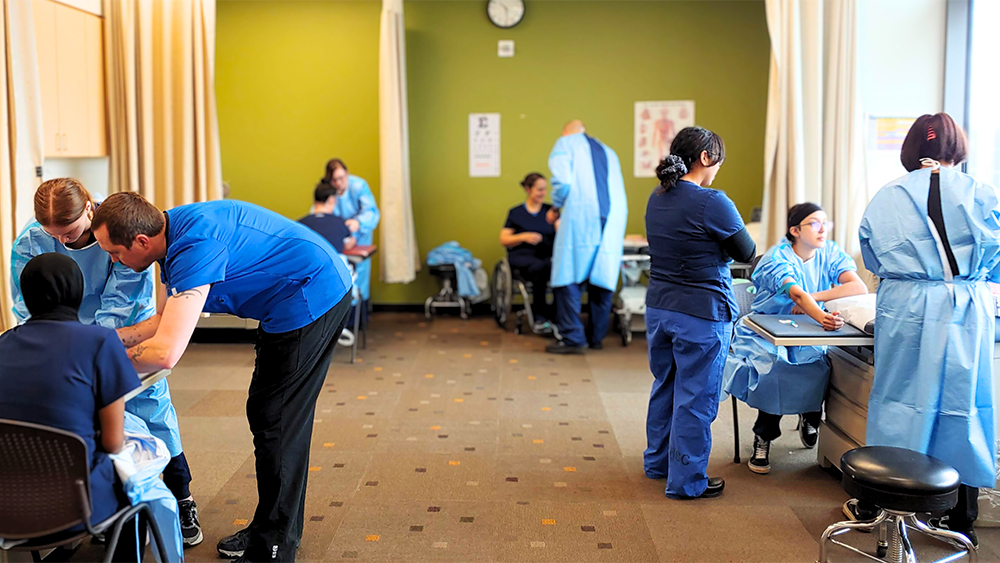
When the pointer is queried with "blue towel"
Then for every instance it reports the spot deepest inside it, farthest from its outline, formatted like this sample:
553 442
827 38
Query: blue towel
465 266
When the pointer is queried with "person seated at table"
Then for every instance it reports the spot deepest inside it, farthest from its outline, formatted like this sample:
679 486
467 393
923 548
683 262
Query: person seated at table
59 372
528 237
793 277
325 222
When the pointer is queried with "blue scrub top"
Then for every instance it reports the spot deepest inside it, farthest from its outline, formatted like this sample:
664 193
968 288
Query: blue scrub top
689 272
523 221
261 265
67 389
330 227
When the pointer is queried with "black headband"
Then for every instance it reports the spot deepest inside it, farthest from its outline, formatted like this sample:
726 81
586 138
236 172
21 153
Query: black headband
799 212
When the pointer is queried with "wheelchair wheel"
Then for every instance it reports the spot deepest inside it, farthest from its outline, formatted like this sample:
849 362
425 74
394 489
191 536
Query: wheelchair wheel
625 325
501 301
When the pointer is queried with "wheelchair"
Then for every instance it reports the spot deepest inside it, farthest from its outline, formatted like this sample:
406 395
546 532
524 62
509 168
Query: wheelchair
507 285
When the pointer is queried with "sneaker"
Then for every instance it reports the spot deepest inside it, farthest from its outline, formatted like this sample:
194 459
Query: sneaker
232 547
190 527
597 346
542 328
563 348
807 433
855 514
760 462
942 523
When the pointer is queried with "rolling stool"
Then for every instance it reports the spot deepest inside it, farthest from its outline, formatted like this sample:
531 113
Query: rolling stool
448 296
901 483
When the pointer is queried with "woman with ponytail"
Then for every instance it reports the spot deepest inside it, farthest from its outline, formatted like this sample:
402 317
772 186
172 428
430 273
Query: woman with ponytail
693 233
528 238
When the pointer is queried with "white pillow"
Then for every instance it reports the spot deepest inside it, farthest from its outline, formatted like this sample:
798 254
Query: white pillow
857 310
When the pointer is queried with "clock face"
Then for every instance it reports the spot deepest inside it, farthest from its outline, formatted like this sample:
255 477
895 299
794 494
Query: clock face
505 13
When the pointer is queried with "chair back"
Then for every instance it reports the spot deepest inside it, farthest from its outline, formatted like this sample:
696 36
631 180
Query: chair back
44 480
745 292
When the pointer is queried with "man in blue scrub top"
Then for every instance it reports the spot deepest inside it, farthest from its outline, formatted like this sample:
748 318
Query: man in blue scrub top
588 194
234 257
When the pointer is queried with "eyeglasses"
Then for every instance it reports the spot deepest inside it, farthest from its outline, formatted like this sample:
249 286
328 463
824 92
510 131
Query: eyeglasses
818 226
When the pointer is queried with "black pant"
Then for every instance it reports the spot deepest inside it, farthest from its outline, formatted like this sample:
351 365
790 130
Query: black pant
130 542
288 376
537 271
767 426
960 518
177 476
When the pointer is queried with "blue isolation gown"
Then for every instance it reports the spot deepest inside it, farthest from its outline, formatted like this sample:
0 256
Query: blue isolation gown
934 329
582 252
783 379
358 203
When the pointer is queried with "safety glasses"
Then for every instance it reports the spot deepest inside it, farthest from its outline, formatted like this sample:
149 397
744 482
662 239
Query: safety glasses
818 226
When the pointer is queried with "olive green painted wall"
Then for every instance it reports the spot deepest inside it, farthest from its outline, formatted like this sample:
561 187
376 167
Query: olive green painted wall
297 83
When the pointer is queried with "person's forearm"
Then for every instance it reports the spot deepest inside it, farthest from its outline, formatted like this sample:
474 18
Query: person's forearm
807 304
848 289
139 332
153 354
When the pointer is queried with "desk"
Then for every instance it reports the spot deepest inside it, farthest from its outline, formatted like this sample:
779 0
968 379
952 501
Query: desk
808 333
146 380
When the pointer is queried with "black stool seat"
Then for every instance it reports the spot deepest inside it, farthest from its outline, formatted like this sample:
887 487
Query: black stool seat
443 270
899 479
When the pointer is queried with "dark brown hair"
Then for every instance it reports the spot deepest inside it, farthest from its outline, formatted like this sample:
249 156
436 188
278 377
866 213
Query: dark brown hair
127 215
530 179
61 201
933 136
331 166
685 151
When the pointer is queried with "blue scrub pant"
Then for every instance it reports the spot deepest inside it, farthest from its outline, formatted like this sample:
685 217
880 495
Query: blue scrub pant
686 355
568 306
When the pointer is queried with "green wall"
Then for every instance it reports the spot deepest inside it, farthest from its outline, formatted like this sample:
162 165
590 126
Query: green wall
297 83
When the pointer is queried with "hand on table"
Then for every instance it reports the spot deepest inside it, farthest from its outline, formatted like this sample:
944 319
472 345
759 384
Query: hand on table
352 225
833 321
349 243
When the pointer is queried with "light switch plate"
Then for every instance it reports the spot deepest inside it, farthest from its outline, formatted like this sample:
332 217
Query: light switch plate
505 48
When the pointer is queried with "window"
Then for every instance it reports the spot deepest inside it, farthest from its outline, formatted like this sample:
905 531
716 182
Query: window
984 92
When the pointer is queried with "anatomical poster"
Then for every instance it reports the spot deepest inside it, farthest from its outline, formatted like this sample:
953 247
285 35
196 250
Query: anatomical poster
656 125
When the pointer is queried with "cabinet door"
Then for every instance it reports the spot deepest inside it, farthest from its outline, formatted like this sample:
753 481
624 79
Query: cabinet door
44 14
97 144
72 64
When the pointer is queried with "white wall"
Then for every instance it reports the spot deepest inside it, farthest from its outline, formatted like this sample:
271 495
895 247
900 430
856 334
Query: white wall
91 172
901 58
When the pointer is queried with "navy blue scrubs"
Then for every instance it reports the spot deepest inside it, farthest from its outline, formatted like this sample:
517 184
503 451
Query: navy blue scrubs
690 309
533 263
330 227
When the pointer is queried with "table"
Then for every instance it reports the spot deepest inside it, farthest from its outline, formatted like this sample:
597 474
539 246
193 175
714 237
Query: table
355 256
146 380
808 333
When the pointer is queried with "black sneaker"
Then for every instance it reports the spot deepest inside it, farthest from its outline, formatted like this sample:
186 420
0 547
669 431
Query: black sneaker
807 433
942 523
597 346
715 487
190 527
760 462
563 348
232 547
855 514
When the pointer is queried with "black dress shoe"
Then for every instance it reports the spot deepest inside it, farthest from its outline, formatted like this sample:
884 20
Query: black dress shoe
714 489
563 348
597 346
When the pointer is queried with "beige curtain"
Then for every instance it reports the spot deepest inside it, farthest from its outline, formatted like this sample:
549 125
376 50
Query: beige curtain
814 139
400 258
162 119
21 146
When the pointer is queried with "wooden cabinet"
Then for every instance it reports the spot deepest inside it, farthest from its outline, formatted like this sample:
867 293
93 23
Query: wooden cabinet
70 54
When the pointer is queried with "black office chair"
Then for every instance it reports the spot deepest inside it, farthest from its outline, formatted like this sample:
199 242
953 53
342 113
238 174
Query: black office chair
45 491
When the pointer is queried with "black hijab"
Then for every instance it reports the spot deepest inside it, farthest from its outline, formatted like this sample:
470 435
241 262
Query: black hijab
52 287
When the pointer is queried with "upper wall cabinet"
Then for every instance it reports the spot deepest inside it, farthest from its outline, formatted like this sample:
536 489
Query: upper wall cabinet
71 75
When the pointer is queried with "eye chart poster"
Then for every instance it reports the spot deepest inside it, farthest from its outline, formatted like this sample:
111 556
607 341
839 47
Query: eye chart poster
484 145
656 125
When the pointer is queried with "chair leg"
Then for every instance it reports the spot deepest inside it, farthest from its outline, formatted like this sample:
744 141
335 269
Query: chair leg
842 527
736 433
948 536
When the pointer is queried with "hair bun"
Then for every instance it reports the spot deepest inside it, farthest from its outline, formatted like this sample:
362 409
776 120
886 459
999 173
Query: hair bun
670 170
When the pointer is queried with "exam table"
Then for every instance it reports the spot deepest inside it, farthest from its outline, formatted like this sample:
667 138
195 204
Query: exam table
852 357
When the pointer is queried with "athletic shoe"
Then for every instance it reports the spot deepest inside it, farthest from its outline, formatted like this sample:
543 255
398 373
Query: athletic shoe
190 527
760 462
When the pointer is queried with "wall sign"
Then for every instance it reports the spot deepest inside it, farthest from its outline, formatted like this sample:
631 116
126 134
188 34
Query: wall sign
656 125
484 145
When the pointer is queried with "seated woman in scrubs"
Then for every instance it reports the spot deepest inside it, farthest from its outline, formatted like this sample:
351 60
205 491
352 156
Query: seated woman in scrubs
528 237
59 372
114 296
793 277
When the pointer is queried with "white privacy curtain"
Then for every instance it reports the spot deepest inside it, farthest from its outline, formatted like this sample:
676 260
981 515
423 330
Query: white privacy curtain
814 143
400 257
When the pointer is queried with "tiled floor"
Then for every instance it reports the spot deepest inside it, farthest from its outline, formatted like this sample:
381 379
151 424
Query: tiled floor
454 441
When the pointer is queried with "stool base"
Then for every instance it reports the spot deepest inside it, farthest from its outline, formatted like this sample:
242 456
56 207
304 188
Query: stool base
893 540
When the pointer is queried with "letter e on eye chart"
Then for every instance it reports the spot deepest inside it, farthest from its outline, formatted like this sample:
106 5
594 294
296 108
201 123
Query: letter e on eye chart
484 145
